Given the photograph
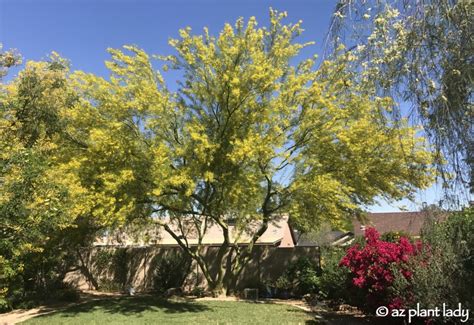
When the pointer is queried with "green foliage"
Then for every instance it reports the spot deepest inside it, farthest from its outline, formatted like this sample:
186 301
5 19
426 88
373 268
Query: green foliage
120 267
305 272
359 240
112 266
283 283
109 285
198 292
4 305
443 272
333 282
8 59
103 260
24 297
300 277
34 204
420 52
170 271
394 236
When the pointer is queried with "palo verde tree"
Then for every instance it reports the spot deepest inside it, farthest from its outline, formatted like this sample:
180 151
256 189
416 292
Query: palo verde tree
34 204
249 134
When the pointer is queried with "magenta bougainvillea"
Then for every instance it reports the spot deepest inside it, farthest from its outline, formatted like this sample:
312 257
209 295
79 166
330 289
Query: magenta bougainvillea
372 267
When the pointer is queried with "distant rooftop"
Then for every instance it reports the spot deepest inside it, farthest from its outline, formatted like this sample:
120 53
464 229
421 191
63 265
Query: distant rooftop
408 222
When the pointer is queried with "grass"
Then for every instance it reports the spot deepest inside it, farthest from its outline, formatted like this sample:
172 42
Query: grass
153 310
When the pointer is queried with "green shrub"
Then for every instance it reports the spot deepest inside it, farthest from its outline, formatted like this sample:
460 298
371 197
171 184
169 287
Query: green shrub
300 277
109 285
4 305
305 272
26 299
198 292
120 267
103 260
283 283
444 271
112 267
170 271
334 281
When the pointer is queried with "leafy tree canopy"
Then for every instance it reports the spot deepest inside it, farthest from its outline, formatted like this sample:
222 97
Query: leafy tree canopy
34 203
249 134
421 53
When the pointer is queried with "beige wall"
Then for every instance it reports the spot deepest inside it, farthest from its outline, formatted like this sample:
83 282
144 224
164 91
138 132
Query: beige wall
268 264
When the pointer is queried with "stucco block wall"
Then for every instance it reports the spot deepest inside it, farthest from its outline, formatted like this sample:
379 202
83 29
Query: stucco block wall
267 264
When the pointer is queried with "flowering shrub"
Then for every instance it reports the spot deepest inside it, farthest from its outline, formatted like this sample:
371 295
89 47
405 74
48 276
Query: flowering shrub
372 268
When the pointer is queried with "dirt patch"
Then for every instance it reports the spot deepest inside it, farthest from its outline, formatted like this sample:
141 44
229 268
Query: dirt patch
21 315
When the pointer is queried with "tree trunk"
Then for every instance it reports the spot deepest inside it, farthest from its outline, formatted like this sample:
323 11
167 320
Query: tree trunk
224 281
85 271
218 284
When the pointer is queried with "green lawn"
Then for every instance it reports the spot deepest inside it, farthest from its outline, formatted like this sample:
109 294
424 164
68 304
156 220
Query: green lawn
151 310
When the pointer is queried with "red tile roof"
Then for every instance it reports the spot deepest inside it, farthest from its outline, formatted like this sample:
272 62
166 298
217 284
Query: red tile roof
408 222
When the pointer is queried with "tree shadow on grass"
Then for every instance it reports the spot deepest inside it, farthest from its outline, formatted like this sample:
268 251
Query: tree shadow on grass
133 306
334 318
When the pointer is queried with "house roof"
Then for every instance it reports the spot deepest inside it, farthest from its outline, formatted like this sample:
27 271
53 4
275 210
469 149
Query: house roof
278 231
334 237
408 222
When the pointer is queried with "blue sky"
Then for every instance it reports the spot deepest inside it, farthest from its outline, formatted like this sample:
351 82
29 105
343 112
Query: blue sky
82 30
